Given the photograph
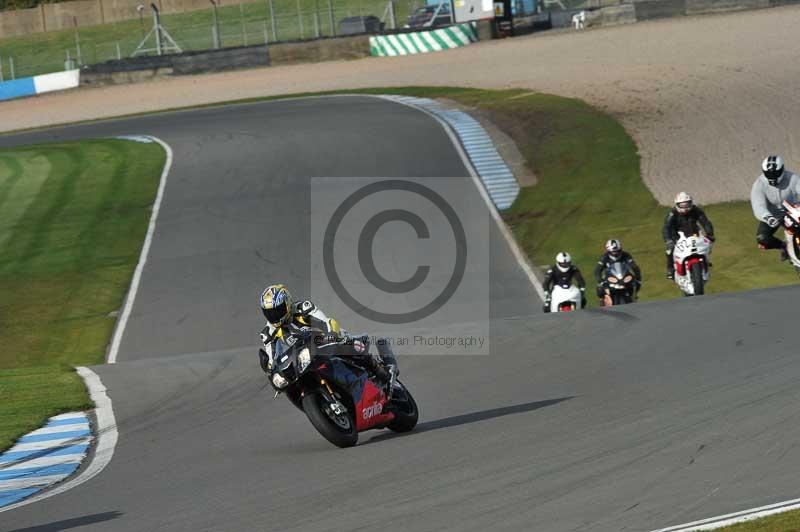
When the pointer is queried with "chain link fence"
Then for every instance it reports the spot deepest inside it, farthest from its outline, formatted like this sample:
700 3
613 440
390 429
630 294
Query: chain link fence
269 21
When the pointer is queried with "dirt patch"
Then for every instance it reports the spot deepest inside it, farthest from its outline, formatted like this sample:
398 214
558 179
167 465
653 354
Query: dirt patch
705 97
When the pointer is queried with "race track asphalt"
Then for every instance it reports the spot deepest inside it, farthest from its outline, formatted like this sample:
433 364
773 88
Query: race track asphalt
630 419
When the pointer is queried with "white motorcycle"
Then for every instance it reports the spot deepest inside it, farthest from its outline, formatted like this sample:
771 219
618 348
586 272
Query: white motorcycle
791 231
565 298
691 256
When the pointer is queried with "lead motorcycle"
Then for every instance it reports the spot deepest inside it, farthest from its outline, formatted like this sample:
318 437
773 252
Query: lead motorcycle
339 397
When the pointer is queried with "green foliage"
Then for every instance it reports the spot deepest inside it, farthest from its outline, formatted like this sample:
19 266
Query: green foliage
72 221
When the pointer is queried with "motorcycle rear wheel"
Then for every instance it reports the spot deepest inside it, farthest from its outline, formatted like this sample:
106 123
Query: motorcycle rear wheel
696 274
342 434
406 413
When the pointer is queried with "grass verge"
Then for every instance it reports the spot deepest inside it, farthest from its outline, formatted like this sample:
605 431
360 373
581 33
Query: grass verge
73 217
785 522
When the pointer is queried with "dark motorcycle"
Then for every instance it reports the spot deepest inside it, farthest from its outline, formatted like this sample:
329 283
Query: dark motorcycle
620 285
340 397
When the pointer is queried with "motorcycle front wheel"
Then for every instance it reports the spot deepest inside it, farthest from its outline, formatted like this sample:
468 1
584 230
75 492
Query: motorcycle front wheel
696 274
339 429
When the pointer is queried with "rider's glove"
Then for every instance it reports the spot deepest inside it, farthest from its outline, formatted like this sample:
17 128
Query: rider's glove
670 245
712 238
360 343
772 221
264 361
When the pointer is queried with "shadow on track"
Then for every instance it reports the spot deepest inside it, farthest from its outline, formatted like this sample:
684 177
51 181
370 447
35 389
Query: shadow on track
472 417
66 524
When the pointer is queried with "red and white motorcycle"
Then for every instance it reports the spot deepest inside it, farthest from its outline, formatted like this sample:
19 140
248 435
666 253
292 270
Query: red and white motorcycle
791 231
691 256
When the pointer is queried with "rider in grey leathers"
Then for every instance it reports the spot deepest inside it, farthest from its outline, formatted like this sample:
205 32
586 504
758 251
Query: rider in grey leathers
774 185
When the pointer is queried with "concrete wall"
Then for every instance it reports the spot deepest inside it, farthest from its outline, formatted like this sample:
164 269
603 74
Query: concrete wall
22 22
147 67
182 6
65 15
140 69
653 9
696 7
115 10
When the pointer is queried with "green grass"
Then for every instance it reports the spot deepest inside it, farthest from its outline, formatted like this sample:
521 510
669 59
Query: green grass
785 522
40 53
72 221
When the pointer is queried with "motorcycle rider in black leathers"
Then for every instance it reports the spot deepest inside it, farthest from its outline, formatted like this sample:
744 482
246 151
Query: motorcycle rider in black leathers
614 253
285 316
688 218
563 273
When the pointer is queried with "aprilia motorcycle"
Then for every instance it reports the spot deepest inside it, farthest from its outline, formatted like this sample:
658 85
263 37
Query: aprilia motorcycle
691 263
340 397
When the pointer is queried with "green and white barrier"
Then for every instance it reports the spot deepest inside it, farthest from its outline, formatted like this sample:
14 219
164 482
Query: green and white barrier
421 42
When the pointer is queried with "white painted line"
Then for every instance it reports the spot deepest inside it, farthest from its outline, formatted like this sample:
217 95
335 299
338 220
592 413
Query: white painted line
42 462
522 260
713 523
48 444
59 428
106 440
71 415
137 275
28 482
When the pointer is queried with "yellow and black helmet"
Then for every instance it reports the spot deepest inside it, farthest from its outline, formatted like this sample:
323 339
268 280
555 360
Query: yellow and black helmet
276 304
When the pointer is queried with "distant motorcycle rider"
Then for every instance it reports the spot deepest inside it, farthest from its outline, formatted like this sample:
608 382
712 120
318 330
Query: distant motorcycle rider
687 218
774 185
284 316
563 273
615 254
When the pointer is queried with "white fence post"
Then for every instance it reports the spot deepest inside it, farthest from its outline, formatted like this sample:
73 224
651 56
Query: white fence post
300 19
330 16
273 21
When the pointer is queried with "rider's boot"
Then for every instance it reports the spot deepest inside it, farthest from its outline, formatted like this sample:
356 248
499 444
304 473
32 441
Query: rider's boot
670 267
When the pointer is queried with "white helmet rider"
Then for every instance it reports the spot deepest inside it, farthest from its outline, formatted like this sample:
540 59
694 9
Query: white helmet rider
563 262
683 202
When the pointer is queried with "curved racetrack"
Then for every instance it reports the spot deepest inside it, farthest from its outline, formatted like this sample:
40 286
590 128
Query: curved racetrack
629 419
